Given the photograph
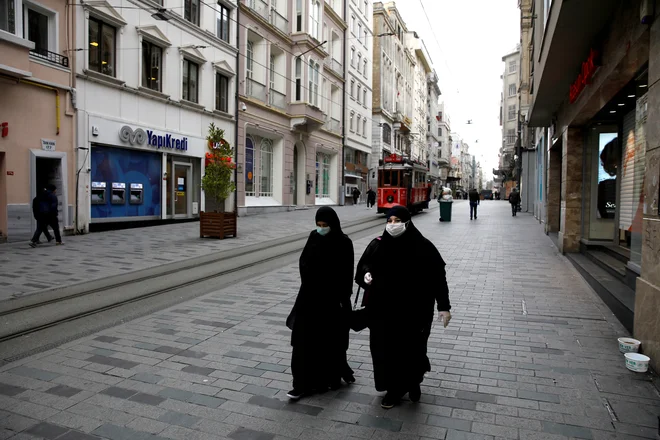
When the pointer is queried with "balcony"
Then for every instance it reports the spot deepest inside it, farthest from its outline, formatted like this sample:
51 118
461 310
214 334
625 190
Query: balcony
277 99
260 6
333 125
306 114
279 21
51 57
510 140
255 90
334 65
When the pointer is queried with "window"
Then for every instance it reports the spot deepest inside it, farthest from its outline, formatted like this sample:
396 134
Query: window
511 136
513 66
35 28
352 127
314 18
298 79
221 93
191 11
353 23
352 57
322 175
512 112
314 68
366 33
359 118
366 7
249 67
364 127
353 88
512 90
299 12
364 69
272 73
190 80
101 47
359 93
266 168
151 62
439 131
387 134
8 16
364 96
359 32
359 63
222 18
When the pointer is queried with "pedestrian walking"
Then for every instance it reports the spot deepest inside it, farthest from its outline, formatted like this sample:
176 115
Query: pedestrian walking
40 218
48 207
400 294
514 200
356 195
371 198
474 202
319 318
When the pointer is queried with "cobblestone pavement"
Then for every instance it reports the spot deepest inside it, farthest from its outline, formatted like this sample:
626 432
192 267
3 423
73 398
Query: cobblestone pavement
531 353
99 255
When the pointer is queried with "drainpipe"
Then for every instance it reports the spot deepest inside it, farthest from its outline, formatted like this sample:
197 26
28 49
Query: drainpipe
57 99
238 53
343 116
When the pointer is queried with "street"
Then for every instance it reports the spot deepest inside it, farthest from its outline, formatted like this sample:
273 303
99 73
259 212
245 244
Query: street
529 354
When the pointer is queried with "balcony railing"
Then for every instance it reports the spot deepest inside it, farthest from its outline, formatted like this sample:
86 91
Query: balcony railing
279 21
51 57
255 90
277 99
260 6
510 140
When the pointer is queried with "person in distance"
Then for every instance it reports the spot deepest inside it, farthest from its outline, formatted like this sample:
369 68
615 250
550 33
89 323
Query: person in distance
396 270
318 319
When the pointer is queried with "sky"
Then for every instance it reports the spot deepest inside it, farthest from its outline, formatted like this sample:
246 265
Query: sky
472 37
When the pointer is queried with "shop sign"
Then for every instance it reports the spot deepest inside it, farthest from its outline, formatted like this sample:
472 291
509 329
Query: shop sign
392 158
140 137
589 67
48 145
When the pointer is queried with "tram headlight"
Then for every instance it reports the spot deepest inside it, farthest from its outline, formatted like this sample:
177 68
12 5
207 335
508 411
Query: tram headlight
390 199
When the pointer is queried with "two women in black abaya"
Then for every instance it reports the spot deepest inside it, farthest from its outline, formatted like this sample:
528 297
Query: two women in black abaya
319 317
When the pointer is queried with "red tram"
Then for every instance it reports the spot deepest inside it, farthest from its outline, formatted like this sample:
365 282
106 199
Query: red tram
402 182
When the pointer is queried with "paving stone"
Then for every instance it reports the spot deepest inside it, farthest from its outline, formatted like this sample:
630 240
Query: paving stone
462 435
147 378
543 397
380 423
175 418
113 362
34 373
200 399
147 399
271 367
261 391
75 435
114 432
63 391
567 430
450 423
47 430
173 393
266 402
120 393
248 434
476 397
10 390
198 370
108 339
495 430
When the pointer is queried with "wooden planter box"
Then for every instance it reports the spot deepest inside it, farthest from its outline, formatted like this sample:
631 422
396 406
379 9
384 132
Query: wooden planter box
217 224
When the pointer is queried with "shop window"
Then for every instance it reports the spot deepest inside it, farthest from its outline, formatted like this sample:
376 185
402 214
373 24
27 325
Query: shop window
221 93
8 16
190 81
101 47
322 175
266 168
259 175
222 18
151 65
191 11
609 160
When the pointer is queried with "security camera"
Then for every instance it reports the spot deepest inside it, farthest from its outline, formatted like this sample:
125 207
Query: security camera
89 170
243 107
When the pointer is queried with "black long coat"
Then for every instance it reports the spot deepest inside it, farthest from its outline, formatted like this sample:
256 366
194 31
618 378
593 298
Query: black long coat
409 278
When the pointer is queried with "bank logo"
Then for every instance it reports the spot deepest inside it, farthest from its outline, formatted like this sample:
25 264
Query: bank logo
137 136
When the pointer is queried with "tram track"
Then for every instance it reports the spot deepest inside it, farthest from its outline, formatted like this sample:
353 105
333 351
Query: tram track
38 313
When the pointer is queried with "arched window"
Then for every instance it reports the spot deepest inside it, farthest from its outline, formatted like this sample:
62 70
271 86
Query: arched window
364 127
249 166
266 168
387 134
358 124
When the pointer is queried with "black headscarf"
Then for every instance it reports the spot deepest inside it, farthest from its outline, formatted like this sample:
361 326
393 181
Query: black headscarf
399 211
328 215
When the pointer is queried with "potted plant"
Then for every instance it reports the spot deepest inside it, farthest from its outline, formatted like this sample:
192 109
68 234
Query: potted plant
218 186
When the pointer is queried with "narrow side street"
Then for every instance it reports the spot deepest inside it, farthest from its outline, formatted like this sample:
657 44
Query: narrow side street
528 355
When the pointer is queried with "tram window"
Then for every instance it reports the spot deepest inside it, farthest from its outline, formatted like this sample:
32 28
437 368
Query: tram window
390 178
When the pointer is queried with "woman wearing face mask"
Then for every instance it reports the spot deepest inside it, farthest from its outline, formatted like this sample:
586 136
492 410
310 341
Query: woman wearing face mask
404 276
319 328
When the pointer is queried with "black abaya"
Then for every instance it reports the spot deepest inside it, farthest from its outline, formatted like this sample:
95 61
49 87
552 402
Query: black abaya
408 279
319 328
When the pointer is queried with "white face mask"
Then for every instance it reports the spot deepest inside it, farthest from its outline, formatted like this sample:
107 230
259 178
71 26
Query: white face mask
323 230
395 229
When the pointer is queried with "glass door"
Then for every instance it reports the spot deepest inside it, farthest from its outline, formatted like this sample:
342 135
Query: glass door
182 190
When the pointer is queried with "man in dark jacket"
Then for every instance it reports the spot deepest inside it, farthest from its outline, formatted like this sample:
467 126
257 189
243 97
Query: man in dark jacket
371 198
42 224
514 200
356 195
474 202
48 207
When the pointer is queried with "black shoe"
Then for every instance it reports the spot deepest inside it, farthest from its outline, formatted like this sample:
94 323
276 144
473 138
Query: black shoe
295 394
389 401
349 379
33 244
415 393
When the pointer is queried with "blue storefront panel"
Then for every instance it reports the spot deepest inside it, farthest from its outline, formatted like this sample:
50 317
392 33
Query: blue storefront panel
132 168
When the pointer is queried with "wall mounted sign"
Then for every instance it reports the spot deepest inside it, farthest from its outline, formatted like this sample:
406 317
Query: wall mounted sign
140 137
589 68
48 144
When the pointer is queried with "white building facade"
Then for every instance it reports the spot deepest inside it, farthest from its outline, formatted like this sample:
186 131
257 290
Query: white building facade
149 84
438 164
509 107
359 95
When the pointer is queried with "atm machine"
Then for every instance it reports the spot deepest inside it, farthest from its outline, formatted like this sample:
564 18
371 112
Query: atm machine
137 194
118 193
99 193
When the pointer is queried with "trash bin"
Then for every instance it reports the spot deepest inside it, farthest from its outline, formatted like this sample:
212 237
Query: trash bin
445 210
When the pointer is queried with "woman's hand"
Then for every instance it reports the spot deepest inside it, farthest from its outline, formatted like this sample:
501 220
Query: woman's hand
445 317
367 278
